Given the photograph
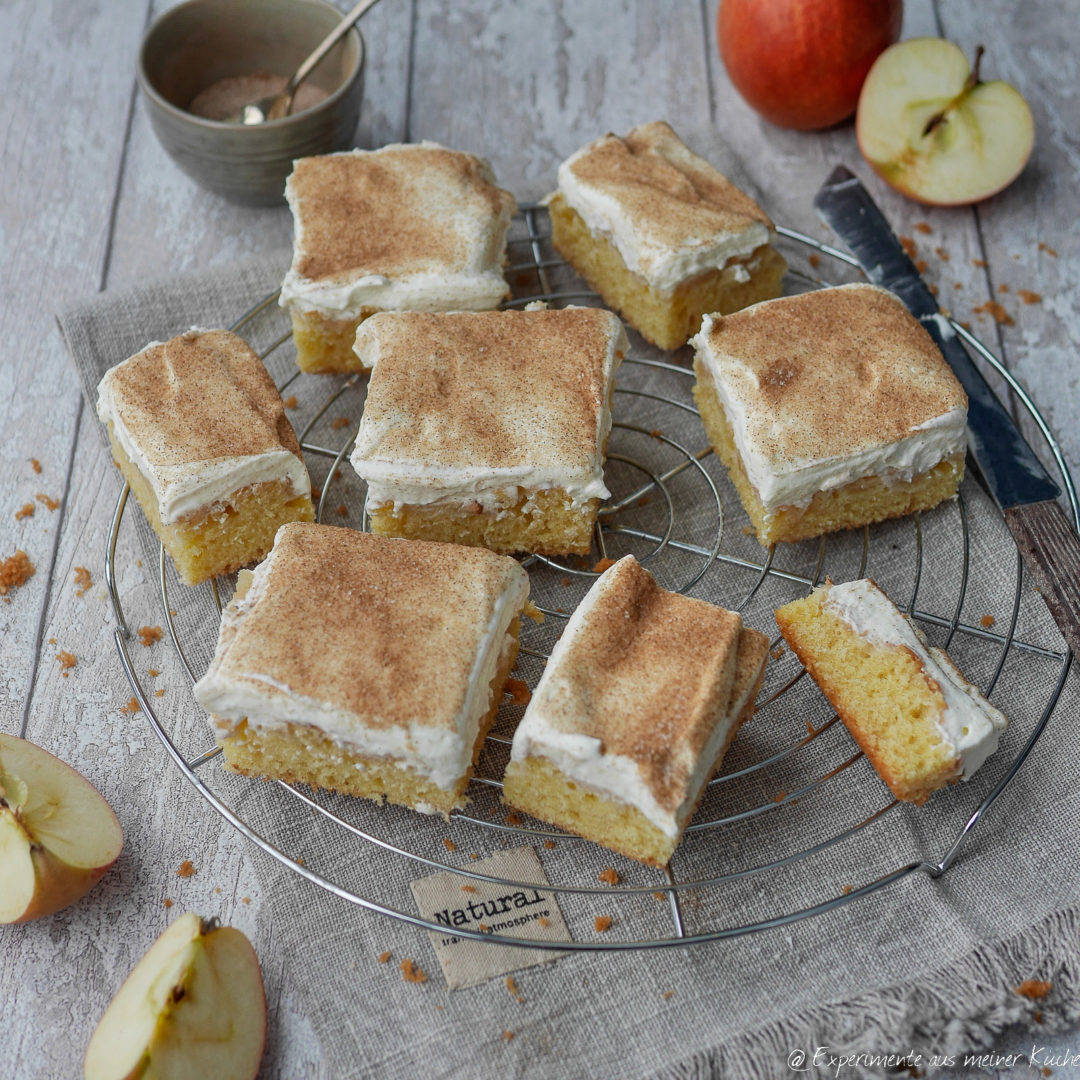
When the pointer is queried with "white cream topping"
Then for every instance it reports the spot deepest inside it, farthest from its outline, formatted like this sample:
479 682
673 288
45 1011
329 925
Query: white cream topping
661 264
438 753
476 284
194 485
419 482
969 724
797 481
582 758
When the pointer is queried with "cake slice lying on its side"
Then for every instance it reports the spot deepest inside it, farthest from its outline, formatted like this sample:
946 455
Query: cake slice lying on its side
917 719
830 410
660 234
367 666
641 698
488 428
199 432
407 227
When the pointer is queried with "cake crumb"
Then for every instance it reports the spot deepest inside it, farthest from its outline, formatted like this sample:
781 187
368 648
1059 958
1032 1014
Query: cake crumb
942 254
36 465
602 923
909 246
342 511
52 641
609 876
602 565
1033 989
777 652
484 928
933 288
48 500
543 921
385 957
290 402
15 570
656 433
1000 315
920 265
549 844
508 1035
67 662
1029 297
643 501
979 262
519 691
245 899
158 693
83 580
1003 288
217 888
530 610
814 260
1038 1016
468 888
958 284
1042 247
168 902
513 988
1046 1071
340 422
513 818
131 707
411 973
668 995
780 796
986 621
659 896
565 581
923 227
148 635
153 672
473 856
449 844
187 869
847 890
25 511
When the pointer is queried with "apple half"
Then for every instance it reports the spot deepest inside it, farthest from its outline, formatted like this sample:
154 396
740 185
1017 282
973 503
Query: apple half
58 836
933 131
193 1008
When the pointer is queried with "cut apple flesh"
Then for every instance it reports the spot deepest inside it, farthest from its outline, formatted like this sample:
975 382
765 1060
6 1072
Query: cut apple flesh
193 1008
58 836
979 145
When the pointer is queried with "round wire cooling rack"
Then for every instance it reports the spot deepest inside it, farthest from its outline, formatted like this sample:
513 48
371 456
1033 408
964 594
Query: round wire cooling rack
797 823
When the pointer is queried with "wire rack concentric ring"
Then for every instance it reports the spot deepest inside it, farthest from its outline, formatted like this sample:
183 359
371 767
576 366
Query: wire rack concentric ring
673 506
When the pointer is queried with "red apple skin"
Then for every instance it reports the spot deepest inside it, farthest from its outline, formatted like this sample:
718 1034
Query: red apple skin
801 63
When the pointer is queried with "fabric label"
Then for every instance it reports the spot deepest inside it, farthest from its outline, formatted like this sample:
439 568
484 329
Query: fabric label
465 903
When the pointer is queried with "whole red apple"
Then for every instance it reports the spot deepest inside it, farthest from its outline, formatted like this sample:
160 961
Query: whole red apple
801 63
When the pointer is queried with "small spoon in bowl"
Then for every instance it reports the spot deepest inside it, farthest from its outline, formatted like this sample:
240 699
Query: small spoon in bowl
280 104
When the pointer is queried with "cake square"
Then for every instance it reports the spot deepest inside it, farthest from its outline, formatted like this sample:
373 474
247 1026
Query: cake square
413 227
918 720
831 410
660 234
199 432
488 428
338 664
642 696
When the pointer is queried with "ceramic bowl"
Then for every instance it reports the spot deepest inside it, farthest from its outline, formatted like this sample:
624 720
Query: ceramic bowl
194 45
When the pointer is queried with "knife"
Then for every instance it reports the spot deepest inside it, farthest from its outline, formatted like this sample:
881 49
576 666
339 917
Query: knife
1013 475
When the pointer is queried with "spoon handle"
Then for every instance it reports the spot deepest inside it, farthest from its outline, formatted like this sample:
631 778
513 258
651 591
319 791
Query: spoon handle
331 39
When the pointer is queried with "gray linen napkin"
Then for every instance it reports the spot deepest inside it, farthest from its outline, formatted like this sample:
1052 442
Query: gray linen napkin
924 965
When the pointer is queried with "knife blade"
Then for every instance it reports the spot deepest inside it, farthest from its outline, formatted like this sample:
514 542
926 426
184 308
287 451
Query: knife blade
1014 476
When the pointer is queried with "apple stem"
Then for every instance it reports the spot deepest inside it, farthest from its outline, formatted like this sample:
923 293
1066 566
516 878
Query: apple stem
970 83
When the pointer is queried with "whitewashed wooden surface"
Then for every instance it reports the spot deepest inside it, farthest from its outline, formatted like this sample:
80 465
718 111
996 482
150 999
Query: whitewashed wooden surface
89 201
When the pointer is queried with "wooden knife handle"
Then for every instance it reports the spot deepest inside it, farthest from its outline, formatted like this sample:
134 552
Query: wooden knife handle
1051 551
